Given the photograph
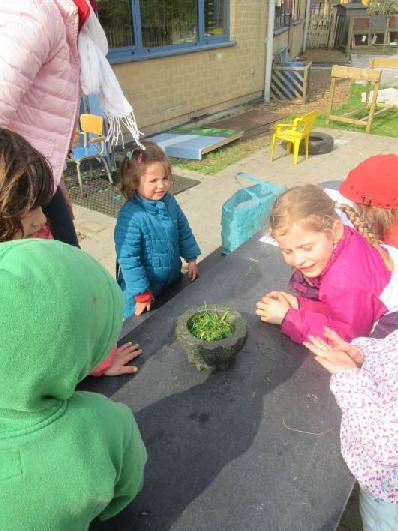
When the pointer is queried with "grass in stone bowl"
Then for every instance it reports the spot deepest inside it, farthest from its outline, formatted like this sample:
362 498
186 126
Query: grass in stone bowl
211 325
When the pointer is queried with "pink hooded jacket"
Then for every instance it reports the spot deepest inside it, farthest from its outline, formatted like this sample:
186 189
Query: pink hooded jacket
345 297
40 74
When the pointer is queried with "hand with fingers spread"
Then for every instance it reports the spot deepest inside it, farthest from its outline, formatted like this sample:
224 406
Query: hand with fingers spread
124 355
336 357
141 307
273 307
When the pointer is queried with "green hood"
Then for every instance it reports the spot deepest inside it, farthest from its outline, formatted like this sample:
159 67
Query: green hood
61 313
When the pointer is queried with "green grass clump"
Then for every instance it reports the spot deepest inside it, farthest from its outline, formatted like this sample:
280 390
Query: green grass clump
211 325
384 124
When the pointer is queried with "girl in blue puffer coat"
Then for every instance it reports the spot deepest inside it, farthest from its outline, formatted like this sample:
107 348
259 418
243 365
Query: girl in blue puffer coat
152 232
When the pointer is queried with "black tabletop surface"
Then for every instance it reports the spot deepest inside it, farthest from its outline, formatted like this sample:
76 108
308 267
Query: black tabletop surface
255 447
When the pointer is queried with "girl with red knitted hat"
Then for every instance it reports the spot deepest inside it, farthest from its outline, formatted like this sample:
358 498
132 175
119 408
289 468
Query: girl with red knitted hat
372 187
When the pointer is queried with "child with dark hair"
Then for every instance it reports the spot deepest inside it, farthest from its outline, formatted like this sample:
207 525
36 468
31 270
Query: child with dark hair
152 232
26 184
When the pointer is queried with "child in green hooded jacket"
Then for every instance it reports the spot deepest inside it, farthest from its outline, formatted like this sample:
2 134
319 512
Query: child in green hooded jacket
66 456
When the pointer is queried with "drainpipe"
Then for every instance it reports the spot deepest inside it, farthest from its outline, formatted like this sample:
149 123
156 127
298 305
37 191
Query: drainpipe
270 51
306 23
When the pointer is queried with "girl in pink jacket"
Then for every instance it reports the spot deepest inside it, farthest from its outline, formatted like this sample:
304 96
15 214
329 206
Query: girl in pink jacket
365 383
341 277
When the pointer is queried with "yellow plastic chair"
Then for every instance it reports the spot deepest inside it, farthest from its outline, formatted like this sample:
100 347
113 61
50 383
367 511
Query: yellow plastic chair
294 133
93 145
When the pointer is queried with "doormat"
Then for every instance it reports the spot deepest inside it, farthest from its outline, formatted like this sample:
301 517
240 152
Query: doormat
101 195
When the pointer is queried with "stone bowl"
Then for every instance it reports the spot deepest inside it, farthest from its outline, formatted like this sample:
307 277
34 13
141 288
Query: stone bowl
213 355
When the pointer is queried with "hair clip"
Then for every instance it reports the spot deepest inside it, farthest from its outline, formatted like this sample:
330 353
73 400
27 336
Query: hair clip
366 200
139 156
129 154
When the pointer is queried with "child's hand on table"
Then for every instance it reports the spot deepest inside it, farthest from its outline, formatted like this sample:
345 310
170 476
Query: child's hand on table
336 357
124 354
288 297
273 307
193 271
141 307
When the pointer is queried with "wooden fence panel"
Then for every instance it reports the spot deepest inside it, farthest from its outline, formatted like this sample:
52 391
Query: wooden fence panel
318 32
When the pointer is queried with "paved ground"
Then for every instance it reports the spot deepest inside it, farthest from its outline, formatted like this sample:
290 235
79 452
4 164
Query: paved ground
202 204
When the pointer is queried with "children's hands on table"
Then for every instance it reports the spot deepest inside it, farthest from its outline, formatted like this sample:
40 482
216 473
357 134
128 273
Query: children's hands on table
141 307
124 354
193 271
282 295
272 309
354 352
337 357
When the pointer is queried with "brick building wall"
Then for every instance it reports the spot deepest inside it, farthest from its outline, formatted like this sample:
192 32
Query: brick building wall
167 91
170 90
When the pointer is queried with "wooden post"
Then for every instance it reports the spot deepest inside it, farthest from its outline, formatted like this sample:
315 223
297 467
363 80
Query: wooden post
331 96
367 93
386 39
349 36
332 31
305 82
370 65
372 106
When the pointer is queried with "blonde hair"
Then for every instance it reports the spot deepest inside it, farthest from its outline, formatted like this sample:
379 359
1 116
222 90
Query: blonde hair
135 165
372 223
311 206
308 205
377 219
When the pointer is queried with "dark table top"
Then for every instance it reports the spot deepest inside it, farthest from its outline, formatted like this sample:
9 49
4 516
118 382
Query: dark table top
252 448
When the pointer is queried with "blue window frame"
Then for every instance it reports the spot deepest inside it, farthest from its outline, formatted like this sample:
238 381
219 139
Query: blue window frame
139 29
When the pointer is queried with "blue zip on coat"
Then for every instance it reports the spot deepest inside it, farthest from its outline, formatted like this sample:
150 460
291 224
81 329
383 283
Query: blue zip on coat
150 239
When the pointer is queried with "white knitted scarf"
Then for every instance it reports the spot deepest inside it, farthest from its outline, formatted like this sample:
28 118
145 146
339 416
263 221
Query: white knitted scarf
97 78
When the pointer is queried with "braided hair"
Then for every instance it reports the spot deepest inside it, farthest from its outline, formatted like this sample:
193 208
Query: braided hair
362 225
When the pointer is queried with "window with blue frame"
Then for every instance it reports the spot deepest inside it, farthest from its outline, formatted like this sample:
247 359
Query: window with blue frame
139 28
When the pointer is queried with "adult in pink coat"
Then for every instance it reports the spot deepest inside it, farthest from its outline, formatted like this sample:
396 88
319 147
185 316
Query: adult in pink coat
43 67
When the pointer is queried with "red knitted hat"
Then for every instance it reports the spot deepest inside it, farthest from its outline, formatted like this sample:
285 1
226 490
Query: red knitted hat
374 182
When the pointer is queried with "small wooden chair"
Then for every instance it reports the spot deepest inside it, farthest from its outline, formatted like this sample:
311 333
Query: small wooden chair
94 145
293 133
